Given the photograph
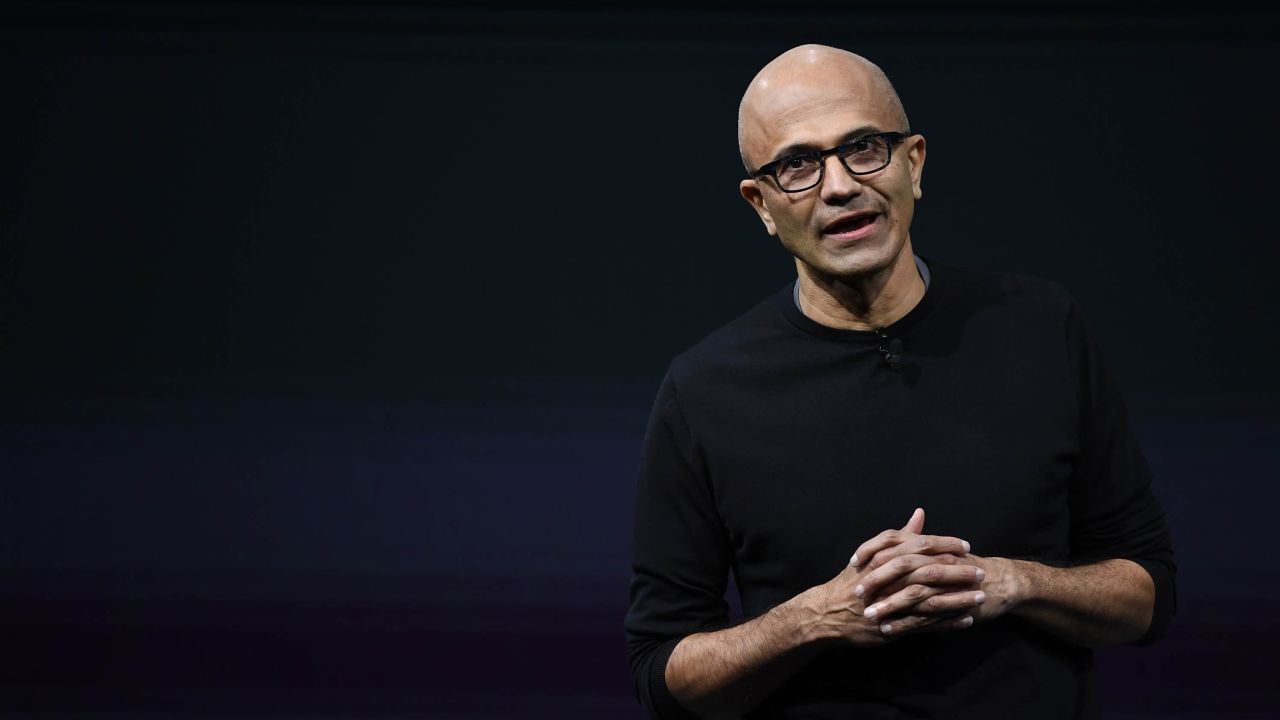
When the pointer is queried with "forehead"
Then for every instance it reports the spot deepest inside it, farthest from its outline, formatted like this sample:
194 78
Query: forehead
816 111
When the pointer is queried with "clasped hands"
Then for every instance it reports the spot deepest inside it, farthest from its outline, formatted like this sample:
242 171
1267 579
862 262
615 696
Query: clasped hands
902 581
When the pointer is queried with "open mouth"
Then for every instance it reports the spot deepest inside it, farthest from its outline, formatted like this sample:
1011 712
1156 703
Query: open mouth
852 227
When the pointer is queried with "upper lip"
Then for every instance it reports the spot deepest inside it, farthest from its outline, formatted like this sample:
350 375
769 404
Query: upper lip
848 217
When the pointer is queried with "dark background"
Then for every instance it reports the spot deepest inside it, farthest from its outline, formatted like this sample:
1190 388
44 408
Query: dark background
328 331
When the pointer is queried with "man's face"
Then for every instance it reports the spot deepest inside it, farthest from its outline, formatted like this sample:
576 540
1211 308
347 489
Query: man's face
848 225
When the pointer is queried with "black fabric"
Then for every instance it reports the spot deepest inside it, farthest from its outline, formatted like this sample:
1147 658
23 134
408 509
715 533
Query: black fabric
777 445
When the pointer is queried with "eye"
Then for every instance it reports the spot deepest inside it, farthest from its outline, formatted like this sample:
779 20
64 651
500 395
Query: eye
796 171
860 146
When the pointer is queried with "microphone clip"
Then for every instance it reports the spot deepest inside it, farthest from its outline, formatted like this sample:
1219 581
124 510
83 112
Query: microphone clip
890 350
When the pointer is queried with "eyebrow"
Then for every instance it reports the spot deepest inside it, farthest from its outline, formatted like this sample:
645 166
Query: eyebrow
796 148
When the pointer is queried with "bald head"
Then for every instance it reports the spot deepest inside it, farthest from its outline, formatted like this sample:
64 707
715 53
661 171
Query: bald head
804 77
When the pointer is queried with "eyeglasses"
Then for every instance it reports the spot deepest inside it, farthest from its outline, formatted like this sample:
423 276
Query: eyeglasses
860 156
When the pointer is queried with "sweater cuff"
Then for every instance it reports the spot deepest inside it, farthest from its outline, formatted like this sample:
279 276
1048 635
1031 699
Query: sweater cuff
1166 599
665 705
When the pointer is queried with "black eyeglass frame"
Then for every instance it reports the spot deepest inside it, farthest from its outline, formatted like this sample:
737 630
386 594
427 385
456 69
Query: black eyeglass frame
771 168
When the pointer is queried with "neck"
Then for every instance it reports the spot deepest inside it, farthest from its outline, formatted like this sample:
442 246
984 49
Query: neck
864 302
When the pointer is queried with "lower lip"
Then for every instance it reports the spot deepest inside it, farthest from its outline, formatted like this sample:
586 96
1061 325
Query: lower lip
858 234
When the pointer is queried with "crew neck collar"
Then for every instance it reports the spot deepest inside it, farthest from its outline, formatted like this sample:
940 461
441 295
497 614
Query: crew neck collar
901 327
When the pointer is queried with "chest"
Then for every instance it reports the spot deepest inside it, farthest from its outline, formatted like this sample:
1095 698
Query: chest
808 464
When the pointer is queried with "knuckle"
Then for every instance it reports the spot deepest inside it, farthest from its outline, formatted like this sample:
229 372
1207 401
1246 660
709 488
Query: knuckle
930 574
914 592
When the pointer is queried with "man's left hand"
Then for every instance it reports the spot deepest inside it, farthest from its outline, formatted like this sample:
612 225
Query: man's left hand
907 575
893 596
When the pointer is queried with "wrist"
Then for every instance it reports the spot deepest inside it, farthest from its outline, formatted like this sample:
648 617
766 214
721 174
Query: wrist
804 617
1007 584
1017 582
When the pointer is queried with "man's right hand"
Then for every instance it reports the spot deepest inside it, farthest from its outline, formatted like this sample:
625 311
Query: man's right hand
725 673
919 581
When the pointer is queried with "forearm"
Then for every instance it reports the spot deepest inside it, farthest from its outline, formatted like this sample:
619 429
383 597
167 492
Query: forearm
1105 603
728 672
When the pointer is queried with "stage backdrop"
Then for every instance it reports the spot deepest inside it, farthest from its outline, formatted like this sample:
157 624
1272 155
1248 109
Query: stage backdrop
328 333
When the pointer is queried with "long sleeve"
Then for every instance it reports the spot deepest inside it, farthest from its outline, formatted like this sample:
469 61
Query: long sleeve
681 553
1113 511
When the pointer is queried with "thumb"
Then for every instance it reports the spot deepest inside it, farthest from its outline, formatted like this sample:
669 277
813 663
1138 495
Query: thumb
916 523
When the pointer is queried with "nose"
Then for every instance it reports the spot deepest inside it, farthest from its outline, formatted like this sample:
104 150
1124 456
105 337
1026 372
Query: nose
838 184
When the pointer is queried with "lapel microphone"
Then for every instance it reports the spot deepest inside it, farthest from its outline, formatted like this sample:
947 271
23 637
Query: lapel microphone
890 350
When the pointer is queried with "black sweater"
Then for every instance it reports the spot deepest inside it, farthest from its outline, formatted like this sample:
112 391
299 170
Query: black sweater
777 445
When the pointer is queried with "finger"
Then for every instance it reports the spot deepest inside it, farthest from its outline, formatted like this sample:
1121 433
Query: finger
914 526
947 573
919 545
904 600
916 523
950 602
924 600
948 622
872 582
885 539
911 623
936 574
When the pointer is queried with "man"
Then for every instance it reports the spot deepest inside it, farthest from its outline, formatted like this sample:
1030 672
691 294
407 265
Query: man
877 384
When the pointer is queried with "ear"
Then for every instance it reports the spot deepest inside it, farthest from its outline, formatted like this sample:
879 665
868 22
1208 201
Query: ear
915 161
750 189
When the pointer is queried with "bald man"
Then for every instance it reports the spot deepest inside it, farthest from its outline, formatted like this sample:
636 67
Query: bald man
876 387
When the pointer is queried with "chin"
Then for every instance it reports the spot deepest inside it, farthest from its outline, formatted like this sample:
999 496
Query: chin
853 265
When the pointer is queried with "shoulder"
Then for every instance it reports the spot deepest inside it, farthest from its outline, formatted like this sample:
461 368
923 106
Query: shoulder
759 331
1019 298
1015 287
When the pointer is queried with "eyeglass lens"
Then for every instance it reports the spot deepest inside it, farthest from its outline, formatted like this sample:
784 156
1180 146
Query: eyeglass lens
861 156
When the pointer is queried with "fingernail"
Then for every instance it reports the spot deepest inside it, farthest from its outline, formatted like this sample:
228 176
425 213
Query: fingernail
886 628
966 545
870 612
965 621
982 574
980 598
858 591
853 560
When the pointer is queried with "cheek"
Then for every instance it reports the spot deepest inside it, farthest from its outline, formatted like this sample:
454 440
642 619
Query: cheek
790 224
905 206
902 201
788 219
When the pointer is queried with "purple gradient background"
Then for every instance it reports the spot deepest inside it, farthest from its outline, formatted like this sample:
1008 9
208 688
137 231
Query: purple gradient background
327 340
